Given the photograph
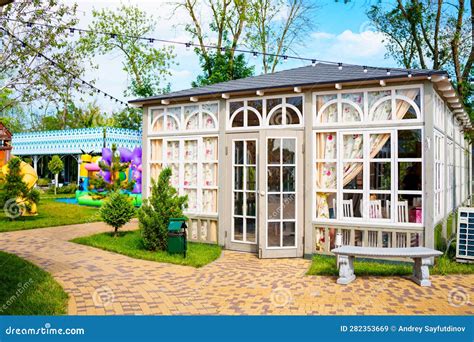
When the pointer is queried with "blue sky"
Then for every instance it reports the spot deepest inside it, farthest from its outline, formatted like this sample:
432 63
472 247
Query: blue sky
342 33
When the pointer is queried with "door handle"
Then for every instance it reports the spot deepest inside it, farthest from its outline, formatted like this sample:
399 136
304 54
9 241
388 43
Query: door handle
262 193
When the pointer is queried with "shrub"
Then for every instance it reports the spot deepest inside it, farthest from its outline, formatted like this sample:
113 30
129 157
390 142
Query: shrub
117 210
14 188
155 212
66 189
43 182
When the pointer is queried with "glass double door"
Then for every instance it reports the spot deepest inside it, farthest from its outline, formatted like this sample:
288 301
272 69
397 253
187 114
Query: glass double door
266 199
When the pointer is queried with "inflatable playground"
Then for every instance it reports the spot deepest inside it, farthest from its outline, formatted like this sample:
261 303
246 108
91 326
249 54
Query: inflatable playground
90 170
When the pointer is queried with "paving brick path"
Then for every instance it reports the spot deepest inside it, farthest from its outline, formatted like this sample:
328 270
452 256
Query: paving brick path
101 282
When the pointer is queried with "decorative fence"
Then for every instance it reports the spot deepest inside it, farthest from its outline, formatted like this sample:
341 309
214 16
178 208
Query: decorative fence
74 141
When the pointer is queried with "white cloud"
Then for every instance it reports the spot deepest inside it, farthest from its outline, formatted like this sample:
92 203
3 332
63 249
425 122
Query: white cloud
362 44
181 73
366 47
322 35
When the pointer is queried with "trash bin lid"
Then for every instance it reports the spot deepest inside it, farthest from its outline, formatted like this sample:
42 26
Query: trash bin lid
176 224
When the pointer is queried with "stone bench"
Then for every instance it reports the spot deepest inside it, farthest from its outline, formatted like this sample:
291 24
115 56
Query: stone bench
421 255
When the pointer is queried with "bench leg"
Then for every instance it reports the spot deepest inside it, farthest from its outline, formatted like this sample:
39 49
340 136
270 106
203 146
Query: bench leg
421 271
346 269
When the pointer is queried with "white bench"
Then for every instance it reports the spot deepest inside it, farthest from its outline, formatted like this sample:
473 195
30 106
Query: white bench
421 255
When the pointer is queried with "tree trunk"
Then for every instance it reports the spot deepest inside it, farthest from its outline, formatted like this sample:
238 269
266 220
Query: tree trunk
56 180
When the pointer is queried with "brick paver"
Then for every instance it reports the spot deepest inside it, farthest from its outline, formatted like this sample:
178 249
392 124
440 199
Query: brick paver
101 282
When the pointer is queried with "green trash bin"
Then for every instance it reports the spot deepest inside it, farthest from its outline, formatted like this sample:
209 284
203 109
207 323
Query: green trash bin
177 239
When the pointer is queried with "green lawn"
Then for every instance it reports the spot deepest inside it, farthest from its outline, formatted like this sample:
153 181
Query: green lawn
25 289
326 265
51 213
130 243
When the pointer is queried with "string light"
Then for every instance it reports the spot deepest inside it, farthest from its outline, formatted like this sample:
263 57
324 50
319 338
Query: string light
188 45
40 55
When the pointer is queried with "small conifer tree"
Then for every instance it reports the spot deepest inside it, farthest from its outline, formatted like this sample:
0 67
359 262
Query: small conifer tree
155 213
117 210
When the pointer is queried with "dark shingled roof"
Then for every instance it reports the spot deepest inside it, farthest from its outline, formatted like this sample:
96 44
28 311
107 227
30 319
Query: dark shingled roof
321 73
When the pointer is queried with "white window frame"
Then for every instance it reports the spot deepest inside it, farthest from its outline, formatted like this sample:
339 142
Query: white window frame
393 97
244 208
394 192
264 117
200 187
182 120
439 175
281 220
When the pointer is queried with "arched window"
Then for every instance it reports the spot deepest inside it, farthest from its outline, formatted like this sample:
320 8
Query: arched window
192 117
326 106
284 114
165 122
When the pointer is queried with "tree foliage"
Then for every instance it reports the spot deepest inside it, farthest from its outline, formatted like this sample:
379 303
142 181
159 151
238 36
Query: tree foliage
271 26
276 27
155 212
217 68
146 66
430 34
130 118
117 210
23 70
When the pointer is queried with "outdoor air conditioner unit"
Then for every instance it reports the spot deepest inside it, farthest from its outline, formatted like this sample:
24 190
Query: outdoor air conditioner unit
465 235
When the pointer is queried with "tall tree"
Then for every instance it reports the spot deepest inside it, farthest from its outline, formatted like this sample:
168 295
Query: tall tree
430 34
130 118
275 27
226 26
118 31
42 27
